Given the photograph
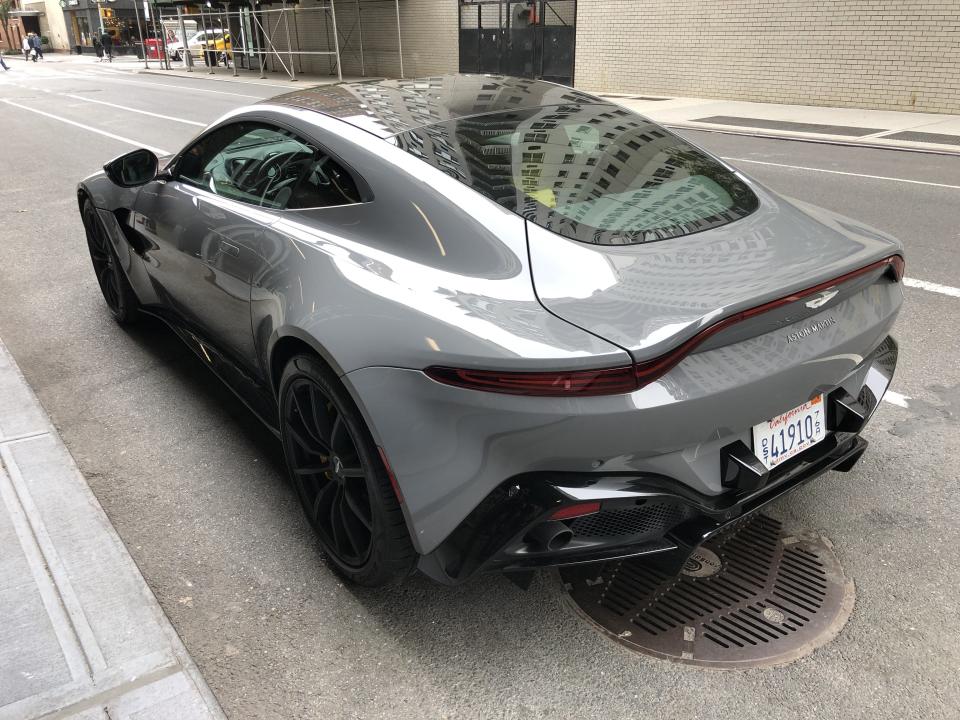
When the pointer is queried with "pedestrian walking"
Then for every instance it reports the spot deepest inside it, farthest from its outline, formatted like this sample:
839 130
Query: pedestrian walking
36 45
26 47
107 41
98 49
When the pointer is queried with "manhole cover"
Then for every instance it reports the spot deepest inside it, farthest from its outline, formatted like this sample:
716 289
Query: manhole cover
749 598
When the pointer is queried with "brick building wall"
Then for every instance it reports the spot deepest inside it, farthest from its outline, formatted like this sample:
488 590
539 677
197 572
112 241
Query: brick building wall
883 54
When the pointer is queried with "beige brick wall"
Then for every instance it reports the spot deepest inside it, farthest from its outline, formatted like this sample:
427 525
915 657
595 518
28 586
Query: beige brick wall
883 54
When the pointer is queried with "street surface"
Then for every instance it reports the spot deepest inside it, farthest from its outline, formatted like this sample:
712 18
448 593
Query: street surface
195 486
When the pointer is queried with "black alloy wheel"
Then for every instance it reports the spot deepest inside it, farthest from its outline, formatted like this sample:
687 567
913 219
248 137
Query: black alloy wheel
339 476
113 283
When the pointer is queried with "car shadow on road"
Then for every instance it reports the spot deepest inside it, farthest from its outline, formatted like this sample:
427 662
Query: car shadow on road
162 344
487 616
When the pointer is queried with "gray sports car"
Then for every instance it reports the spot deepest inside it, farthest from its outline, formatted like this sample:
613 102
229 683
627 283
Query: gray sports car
501 323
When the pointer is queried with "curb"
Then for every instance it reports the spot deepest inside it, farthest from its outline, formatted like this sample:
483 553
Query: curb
89 637
207 76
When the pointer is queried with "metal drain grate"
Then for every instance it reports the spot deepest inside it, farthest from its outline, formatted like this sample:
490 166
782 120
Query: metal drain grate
751 597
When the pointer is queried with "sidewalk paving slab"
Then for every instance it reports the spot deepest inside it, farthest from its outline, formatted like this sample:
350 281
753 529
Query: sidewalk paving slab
81 635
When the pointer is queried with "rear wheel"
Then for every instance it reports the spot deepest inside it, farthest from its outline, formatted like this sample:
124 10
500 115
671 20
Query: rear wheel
119 296
340 479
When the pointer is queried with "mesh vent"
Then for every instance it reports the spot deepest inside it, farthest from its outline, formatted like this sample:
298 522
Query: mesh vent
642 520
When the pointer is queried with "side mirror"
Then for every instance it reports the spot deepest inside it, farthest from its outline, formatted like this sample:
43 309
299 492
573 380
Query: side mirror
135 168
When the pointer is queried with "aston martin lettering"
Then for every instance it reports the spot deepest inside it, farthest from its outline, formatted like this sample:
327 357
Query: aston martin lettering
811 329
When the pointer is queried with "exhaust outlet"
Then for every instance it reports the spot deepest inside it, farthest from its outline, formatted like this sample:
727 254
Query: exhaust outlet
550 536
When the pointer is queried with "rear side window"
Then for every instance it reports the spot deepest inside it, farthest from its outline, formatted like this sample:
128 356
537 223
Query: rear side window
594 173
324 183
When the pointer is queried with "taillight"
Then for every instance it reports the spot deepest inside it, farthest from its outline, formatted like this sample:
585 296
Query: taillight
898 264
390 475
574 511
626 379
613 381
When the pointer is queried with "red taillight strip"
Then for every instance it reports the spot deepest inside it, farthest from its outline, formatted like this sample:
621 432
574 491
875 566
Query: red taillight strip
390 475
621 380
574 511
612 381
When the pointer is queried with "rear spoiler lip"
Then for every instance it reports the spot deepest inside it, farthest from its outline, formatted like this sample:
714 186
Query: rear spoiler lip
649 370
629 378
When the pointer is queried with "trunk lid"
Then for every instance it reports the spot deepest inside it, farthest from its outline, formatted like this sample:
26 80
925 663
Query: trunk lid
651 298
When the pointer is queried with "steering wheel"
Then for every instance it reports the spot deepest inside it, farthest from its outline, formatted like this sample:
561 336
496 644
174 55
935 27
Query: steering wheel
268 171
289 175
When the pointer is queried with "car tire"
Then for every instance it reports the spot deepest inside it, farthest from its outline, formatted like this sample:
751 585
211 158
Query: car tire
340 478
117 292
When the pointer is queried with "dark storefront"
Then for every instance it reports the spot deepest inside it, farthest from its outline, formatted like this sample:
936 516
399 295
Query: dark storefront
119 19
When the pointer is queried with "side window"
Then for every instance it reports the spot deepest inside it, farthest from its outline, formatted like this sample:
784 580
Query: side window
324 183
253 163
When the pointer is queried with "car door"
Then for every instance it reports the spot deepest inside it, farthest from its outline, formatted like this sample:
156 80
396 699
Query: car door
205 229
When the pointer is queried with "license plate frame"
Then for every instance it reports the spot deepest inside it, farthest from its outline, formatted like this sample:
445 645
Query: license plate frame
787 435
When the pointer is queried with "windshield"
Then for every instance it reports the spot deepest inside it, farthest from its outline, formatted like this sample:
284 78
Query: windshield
594 173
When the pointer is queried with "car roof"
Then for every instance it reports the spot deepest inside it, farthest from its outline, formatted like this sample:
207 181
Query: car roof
389 107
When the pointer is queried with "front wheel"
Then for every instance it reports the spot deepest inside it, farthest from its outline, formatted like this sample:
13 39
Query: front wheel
340 479
119 296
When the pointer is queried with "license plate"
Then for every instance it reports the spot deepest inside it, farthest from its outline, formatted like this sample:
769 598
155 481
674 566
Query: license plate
788 435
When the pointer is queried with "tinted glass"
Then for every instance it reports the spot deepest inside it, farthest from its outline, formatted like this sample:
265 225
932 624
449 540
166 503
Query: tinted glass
324 183
594 173
267 166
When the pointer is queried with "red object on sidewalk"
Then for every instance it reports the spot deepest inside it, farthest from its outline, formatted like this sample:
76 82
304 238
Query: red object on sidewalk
154 49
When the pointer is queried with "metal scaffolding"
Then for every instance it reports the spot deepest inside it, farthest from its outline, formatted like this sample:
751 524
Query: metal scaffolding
263 38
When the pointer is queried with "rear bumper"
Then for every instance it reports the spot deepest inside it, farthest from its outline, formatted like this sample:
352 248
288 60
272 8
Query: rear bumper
648 514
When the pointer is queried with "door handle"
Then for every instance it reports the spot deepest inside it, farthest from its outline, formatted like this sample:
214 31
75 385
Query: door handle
229 248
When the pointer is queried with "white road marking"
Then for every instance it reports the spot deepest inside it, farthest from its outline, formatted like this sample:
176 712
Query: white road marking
135 143
895 398
909 282
156 84
134 110
840 172
932 287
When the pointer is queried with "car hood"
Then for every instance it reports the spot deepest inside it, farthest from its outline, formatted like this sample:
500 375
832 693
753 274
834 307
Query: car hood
650 298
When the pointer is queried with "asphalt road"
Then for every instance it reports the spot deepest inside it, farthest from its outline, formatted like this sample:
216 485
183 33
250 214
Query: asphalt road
196 488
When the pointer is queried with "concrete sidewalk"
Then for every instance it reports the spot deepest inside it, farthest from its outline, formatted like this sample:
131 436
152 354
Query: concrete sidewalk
81 635
846 126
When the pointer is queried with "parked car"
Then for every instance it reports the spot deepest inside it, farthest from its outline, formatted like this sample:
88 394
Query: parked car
501 323
199 42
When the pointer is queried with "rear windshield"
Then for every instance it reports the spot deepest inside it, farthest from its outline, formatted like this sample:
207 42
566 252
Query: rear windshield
595 173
